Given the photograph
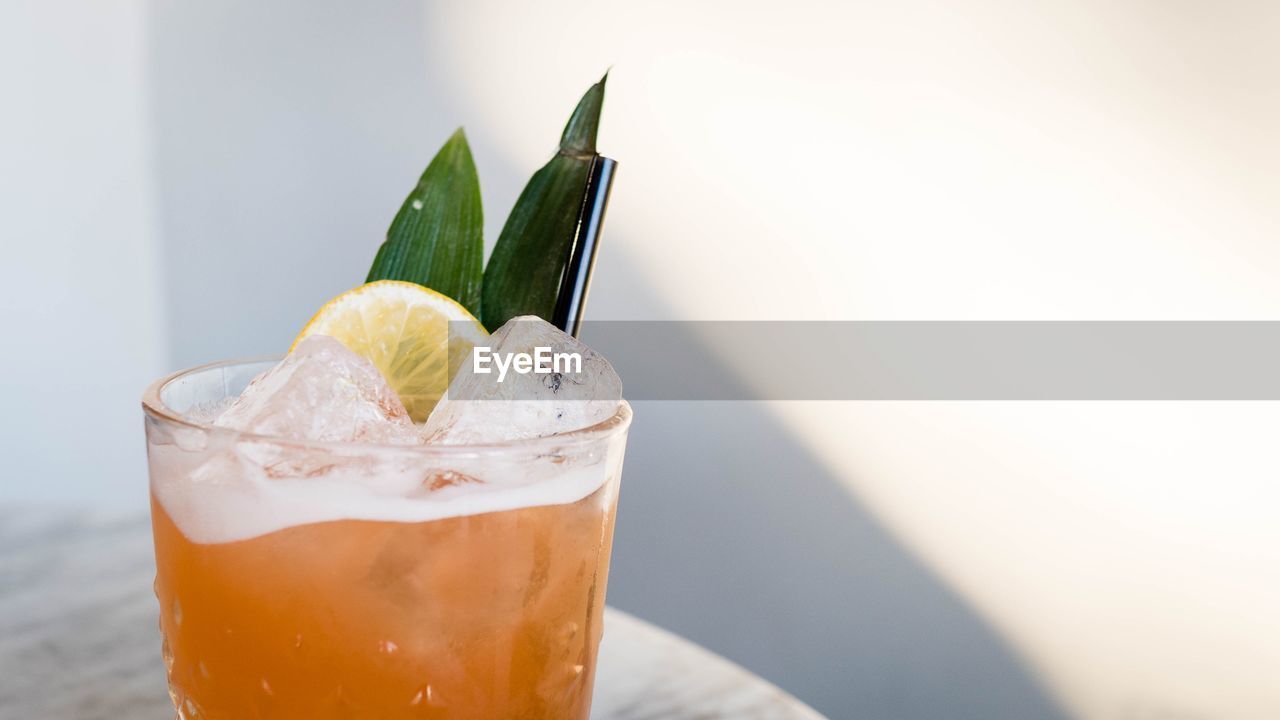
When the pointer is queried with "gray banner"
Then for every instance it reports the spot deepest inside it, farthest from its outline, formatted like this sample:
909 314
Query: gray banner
1131 360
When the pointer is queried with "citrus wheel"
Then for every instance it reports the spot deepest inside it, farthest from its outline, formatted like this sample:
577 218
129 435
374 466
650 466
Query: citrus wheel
415 336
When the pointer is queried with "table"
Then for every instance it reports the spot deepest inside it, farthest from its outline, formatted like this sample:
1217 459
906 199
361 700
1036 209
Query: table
79 637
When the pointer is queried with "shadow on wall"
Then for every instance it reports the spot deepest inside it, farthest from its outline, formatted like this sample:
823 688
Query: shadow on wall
732 534
287 134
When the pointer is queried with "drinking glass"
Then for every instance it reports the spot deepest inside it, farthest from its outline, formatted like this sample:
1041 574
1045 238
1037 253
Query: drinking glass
337 580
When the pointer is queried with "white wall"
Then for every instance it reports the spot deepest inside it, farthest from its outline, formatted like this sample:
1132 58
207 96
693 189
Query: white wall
80 276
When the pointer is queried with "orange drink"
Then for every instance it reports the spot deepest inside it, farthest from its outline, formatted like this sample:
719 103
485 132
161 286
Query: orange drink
321 581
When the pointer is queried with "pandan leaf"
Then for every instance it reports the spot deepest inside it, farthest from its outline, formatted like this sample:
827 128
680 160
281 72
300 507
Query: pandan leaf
526 269
437 238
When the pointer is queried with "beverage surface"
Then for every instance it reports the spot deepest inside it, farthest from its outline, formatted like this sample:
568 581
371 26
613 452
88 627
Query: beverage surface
225 494
322 436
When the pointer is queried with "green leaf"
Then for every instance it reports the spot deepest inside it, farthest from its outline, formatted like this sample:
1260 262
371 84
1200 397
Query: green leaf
524 273
437 238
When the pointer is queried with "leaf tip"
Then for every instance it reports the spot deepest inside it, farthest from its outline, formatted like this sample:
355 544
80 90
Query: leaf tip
584 124
458 150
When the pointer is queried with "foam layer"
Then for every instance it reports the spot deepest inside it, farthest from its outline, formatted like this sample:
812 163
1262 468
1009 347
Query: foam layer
246 489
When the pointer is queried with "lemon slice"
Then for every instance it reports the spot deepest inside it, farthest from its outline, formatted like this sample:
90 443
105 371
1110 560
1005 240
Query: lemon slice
405 330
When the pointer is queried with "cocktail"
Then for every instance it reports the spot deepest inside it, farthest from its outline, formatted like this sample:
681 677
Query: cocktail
376 581
376 527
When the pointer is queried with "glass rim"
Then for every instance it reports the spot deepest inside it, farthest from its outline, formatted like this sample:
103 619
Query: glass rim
154 407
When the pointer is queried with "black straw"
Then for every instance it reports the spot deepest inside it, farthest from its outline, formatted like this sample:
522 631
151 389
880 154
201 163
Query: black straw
576 279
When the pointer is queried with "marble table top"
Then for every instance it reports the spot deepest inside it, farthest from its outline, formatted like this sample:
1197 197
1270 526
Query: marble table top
78 637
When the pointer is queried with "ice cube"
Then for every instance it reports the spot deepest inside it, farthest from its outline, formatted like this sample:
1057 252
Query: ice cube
489 407
322 391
